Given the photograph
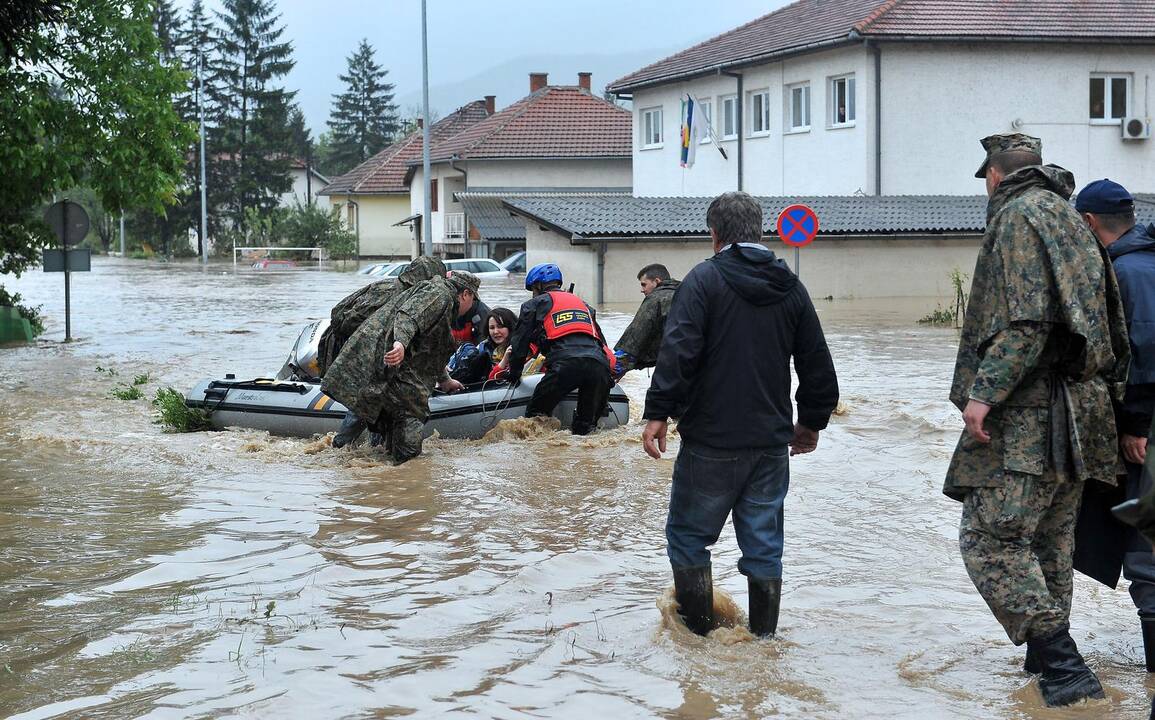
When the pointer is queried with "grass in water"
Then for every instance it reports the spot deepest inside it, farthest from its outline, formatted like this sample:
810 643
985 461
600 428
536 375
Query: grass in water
127 392
175 415
142 379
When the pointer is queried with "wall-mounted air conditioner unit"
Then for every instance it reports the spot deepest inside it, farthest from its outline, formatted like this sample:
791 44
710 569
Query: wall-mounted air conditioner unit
1136 128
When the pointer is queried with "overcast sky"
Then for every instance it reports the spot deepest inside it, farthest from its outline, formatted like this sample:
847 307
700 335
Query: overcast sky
467 37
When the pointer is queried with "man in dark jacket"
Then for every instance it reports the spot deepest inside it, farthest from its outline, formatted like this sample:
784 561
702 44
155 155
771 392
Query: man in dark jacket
724 369
472 327
638 346
566 331
1110 212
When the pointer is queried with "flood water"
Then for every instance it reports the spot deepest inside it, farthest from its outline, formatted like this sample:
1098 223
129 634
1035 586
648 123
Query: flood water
231 574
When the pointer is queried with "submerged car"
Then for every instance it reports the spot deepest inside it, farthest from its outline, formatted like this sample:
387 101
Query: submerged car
484 268
515 263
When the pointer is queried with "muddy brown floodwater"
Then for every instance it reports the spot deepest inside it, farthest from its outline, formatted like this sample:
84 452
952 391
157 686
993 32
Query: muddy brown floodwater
228 574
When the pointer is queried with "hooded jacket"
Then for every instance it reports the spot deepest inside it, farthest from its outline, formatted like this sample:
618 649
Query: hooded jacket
1133 257
724 364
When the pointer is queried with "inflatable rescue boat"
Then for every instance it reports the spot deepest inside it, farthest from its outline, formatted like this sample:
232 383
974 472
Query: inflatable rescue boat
292 403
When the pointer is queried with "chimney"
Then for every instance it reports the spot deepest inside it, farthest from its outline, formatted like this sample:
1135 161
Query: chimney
537 81
420 123
490 104
584 80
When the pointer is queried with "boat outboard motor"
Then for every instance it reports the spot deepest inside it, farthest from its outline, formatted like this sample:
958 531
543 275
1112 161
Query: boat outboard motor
302 362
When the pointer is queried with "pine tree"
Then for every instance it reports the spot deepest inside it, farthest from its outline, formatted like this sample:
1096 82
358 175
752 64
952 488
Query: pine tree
363 119
250 138
301 147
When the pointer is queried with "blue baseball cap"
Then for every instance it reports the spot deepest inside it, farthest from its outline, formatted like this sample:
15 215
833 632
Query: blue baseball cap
1104 196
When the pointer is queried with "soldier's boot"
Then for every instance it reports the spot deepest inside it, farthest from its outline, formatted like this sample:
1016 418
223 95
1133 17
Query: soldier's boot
765 597
351 429
1065 677
1149 642
694 591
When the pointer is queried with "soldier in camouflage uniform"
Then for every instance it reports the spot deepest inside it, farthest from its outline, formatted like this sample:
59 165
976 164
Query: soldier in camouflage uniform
352 312
1043 350
638 346
389 367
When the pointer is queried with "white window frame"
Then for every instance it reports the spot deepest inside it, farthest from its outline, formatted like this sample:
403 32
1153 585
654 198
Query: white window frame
1107 78
706 108
789 128
728 104
647 125
850 89
758 116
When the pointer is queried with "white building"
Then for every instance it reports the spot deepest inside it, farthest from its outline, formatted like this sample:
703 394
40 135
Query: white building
307 183
838 97
559 137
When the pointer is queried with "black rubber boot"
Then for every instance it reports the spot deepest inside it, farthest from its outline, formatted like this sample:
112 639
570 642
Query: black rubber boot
694 591
1149 642
1031 662
765 597
1065 678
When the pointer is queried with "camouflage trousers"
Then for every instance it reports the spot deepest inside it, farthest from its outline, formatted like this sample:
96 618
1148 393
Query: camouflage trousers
1017 542
402 434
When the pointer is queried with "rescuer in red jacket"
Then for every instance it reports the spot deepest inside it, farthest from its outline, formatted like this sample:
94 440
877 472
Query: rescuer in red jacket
566 331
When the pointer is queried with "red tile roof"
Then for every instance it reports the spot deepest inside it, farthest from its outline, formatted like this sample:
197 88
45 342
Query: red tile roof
811 24
554 122
385 172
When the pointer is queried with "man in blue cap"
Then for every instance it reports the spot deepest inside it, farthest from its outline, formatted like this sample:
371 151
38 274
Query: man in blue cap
1109 210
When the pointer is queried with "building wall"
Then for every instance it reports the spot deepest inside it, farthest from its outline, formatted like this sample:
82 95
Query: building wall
374 224
958 93
820 161
299 193
549 173
834 267
937 101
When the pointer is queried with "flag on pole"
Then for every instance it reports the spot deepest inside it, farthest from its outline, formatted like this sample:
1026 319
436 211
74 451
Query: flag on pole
692 128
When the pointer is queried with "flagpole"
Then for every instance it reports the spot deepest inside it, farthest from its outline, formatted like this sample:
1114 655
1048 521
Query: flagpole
204 193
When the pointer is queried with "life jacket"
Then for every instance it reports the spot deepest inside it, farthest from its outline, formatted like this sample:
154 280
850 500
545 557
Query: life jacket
463 334
568 316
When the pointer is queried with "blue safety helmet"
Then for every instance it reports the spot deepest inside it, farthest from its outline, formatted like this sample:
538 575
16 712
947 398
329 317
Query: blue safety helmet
544 274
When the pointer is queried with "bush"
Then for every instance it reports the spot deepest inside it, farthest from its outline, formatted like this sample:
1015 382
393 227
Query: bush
175 415
313 226
32 315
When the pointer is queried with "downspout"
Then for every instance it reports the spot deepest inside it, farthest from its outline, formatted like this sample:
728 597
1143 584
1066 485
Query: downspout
356 223
464 240
601 273
738 109
877 51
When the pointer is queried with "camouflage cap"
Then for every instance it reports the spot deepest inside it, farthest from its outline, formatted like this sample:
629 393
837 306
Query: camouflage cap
1007 142
462 281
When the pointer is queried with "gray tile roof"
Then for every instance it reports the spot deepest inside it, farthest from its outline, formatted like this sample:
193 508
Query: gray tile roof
486 210
612 217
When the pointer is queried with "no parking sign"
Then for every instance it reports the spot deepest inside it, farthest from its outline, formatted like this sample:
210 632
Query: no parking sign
797 226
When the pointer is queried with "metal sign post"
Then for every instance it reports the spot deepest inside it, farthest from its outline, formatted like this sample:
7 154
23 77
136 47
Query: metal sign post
70 223
797 226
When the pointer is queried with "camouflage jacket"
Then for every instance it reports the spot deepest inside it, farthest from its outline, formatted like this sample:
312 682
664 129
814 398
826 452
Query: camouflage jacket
357 307
418 318
1044 340
643 337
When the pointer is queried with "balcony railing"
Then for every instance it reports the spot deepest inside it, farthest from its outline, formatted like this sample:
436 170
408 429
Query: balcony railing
454 226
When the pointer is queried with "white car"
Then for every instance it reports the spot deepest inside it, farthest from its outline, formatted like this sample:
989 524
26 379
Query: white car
370 269
515 263
387 268
484 268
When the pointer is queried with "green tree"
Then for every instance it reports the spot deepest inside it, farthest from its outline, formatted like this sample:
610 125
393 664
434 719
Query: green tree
363 119
250 137
196 44
73 111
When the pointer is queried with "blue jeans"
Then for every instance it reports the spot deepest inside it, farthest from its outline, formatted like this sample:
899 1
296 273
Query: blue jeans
711 483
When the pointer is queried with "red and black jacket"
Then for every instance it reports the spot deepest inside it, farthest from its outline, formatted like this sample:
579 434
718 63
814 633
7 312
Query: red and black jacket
563 326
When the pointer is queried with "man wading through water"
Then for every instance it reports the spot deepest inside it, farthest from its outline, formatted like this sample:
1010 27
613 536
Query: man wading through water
1043 349
724 370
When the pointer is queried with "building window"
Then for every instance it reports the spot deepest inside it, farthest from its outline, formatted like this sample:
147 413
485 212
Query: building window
433 195
798 107
706 110
729 116
842 110
1110 98
652 128
759 101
